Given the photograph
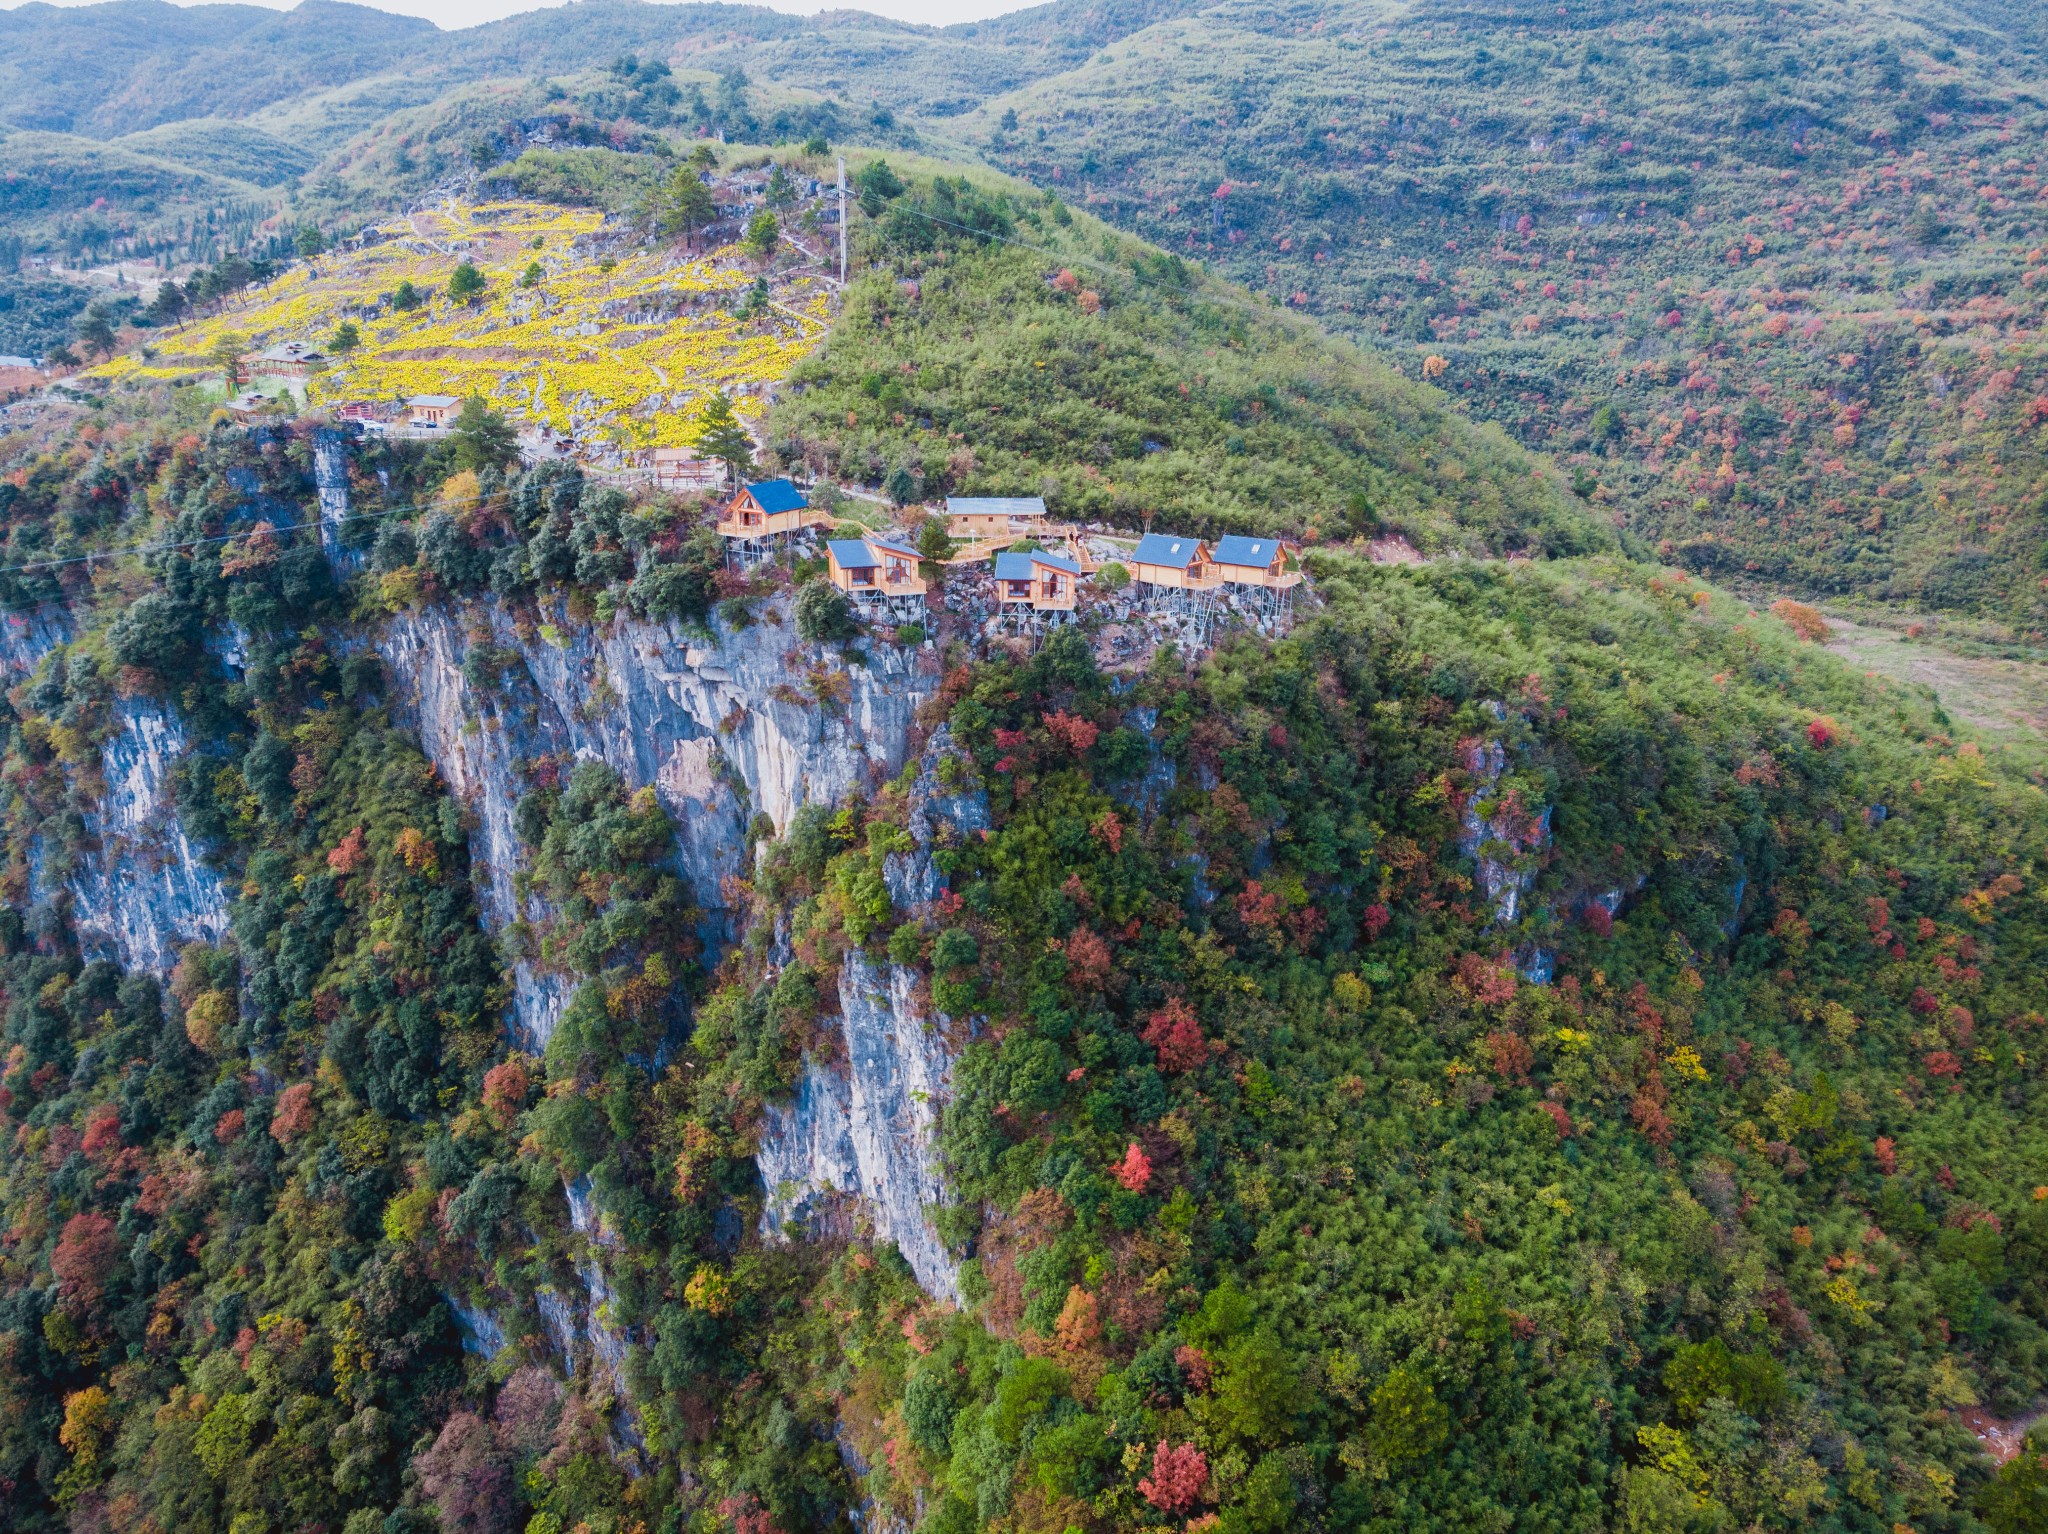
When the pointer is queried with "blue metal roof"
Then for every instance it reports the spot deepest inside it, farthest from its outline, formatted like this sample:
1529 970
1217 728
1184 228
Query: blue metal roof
1166 549
852 554
895 544
995 505
774 495
1237 550
1013 567
1057 561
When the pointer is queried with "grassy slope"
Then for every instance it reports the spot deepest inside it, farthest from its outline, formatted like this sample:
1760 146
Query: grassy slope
216 147
1855 343
961 359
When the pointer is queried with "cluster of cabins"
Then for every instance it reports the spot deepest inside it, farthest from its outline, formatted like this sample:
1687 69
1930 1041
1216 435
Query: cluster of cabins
1042 579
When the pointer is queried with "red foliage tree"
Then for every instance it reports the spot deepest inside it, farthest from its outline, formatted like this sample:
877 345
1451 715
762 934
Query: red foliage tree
1071 730
1489 984
351 853
1088 959
1511 1055
1110 831
1179 1472
85 1254
102 1130
1258 909
466 1475
293 1115
1175 1033
1134 1171
1887 1153
505 1089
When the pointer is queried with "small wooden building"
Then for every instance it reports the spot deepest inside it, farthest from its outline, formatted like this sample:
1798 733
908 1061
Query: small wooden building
432 410
769 509
684 468
1038 580
293 359
1174 563
879 568
979 518
1254 562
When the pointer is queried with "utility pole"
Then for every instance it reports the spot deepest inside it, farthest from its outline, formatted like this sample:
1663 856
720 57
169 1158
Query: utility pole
842 221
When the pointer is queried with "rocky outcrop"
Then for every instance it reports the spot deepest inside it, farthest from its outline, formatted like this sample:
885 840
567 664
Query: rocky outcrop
722 729
868 1136
144 893
1499 834
26 637
941 816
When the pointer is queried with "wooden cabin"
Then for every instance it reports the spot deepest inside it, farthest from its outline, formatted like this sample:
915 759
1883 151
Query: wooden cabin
432 410
980 518
1261 562
1174 563
769 509
899 559
1046 583
880 568
684 468
294 359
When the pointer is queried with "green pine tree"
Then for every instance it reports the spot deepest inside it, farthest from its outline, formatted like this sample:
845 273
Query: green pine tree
720 434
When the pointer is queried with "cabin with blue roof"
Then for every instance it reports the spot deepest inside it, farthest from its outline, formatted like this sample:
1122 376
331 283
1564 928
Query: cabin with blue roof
878 568
1039 580
1174 563
770 508
1242 561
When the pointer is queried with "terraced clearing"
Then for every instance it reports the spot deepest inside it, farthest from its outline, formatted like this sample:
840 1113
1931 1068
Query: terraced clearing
619 354
2002 699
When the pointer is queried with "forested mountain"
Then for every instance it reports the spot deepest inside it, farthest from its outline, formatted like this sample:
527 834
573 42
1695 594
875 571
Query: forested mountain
125 65
517 1020
1764 273
1766 270
513 1024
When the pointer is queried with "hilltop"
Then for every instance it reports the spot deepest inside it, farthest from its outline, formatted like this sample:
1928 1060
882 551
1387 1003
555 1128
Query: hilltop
1767 272
1764 274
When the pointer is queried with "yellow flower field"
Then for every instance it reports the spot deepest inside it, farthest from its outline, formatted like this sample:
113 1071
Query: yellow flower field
586 351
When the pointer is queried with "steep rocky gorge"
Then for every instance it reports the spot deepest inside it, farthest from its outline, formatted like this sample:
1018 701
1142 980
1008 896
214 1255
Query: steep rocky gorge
729 730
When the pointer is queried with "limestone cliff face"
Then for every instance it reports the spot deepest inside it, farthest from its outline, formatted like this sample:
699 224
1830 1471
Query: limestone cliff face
139 891
719 729
144 893
861 1136
1500 839
869 1135
724 729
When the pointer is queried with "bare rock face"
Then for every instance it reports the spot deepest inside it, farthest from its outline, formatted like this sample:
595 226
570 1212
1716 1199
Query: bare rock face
144 894
870 1135
1501 839
722 731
